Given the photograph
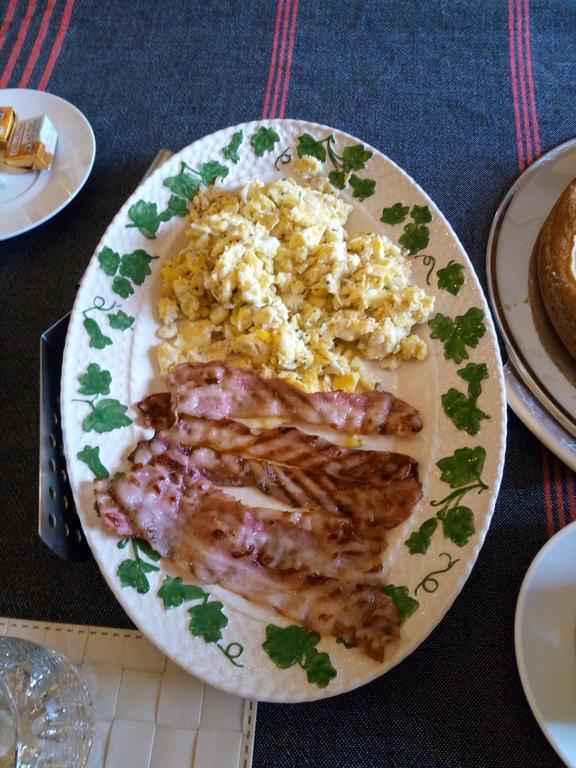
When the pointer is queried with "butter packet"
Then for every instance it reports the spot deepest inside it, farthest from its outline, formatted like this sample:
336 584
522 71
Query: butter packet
7 120
32 145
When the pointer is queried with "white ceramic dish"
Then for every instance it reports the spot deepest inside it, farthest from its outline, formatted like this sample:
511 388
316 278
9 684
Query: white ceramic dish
534 348
538 420
29 199
545 640
434 578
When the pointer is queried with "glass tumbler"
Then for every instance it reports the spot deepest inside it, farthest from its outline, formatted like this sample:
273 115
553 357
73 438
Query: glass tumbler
46 718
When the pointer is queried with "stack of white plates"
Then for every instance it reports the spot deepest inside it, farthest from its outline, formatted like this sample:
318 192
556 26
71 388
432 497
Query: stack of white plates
540 375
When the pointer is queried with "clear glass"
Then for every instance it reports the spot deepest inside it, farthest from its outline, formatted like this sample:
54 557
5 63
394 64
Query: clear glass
46 719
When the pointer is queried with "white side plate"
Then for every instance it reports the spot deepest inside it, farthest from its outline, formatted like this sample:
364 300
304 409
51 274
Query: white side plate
31 198
545 639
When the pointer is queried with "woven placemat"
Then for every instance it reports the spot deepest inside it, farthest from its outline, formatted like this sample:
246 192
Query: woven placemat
149 713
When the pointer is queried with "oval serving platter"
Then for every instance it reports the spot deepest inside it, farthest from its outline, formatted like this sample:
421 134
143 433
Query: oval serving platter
218 636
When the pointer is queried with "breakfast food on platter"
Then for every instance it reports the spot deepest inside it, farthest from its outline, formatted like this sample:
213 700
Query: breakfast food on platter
556 254
271 280
318 563
274 311
32 144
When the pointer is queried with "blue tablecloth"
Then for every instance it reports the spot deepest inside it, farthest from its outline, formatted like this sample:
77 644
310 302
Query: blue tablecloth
463 95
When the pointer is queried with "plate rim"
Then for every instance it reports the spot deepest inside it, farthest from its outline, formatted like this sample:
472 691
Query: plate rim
501 414
531 422
519 617
555 409
88 170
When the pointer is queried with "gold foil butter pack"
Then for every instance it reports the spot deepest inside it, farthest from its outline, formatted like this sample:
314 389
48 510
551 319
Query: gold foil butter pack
7 119
33 144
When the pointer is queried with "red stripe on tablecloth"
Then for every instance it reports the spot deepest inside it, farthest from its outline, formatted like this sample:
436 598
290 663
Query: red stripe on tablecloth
285 21
533 113
564 515
289 60
38 43
18 45
529 147
548 505
8 19
56 46
559 493
519 143
523 90
272 69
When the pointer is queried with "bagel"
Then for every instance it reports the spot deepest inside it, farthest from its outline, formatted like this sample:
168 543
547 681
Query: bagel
556 255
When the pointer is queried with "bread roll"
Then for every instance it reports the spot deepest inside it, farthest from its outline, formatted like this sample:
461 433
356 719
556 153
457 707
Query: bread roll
556 253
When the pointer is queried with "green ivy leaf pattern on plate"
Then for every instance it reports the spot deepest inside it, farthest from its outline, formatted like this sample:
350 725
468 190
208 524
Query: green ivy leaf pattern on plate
414 238
207 620
430 583
419 541
183 185
421 214
405 603
95 381
309 146
395 214
337 179
318 668
231 151
98 340
106 415
90 455
363 188
354 158
120 321
462 472
287 646
145 216
463 467
451 277
122 286
136 266
458 525
211 171
264 140
176 207
462 409
109 260
464 331
174 592
132 573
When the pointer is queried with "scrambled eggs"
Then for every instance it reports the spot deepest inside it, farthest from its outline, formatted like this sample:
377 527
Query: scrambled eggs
271 280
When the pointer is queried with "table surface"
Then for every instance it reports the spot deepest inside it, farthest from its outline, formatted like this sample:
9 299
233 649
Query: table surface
462 95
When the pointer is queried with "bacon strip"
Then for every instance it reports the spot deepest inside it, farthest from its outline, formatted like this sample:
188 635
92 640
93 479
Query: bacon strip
286 445
372 507
216 391
308 567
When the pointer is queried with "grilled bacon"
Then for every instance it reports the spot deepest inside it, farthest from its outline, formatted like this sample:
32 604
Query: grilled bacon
373 506
217 391
308 567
